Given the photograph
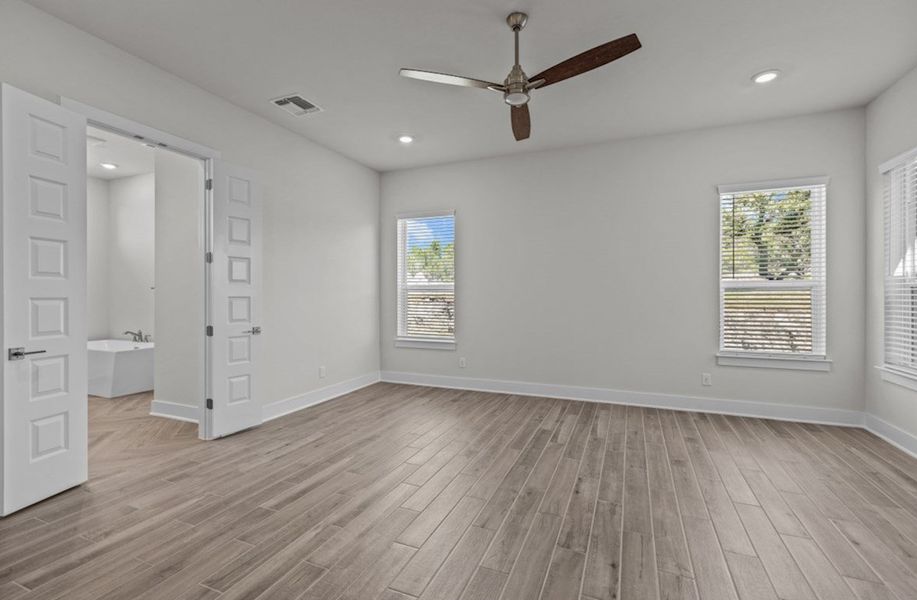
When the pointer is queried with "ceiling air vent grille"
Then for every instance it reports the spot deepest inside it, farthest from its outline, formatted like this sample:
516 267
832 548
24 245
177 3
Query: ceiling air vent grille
296 105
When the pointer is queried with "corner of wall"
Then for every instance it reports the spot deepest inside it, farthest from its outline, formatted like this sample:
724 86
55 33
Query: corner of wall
891 129
379 259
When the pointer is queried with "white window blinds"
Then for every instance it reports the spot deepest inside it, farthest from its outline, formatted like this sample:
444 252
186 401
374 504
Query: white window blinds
772 269
426 277
900 195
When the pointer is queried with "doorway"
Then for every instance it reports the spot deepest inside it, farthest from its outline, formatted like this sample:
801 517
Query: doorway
145 277
230 246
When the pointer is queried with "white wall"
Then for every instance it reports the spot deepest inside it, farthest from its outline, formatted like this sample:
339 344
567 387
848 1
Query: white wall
131 254
321 209
179 369
597 266
891 128
97 289
121 255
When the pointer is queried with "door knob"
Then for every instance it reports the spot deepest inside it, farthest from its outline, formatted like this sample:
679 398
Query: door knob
20 353
254 331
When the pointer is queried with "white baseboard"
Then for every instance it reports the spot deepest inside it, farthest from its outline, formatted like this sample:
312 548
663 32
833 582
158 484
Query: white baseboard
891 434
173 410
295 403
745 408
767 410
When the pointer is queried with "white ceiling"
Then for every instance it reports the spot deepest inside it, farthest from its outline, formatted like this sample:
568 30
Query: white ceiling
131 156
344 55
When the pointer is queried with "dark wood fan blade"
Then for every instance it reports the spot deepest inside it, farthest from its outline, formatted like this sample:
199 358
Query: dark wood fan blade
590 59
521 120
448 79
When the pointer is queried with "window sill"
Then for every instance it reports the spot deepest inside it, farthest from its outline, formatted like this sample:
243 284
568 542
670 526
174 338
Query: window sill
794 363
425 343
898 377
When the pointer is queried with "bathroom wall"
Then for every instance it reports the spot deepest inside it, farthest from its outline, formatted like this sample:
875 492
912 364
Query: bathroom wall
121 225
98 292
179 366
131 254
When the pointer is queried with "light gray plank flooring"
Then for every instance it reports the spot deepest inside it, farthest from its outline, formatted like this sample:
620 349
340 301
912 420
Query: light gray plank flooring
404 492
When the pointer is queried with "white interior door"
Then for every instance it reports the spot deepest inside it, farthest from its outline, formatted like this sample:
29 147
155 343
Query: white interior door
44 429
235 301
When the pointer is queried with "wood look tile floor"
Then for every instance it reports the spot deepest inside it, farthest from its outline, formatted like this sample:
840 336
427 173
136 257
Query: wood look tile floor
400 492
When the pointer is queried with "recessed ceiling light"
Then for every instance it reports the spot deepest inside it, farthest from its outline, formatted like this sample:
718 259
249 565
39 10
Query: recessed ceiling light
405 139
766 76
109 166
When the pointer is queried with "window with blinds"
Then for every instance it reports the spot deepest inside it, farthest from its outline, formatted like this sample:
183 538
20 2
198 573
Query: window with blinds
900 195
426 278
772 269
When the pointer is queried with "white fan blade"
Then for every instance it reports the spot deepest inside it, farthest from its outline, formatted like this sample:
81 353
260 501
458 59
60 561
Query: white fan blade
449 79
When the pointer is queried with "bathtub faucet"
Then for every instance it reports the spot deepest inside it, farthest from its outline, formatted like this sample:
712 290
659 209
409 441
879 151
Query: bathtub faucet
137 336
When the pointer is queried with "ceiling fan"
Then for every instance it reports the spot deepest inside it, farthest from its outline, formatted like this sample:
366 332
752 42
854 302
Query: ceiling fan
518 85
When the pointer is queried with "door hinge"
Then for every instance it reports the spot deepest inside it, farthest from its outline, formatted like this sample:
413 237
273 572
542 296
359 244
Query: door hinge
210 331
208 185
209 403
208 257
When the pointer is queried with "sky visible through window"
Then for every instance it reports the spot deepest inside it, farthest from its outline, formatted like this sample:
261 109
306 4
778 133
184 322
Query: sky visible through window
422 232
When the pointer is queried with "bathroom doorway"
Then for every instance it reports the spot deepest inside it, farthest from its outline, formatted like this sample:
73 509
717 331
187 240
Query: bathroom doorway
145 279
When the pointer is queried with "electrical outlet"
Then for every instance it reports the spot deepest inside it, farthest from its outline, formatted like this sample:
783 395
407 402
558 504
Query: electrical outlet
462 363
706 379
321 372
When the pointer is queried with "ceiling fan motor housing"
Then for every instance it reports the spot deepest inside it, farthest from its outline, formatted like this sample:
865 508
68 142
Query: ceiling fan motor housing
516 85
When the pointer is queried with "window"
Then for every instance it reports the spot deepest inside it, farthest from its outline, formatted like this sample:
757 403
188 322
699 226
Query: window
426 280
772 271
900 195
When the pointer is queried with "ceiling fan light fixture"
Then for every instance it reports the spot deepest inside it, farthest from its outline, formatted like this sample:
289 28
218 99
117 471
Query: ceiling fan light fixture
766 76
516 98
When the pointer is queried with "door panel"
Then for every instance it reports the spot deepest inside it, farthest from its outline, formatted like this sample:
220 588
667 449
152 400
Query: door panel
235 276
44 298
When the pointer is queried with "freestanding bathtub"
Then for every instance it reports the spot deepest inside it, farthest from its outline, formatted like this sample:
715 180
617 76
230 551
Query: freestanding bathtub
119 367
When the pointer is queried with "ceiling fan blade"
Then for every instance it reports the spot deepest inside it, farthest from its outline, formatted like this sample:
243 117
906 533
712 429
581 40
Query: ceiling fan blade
521 120
449 79
590 59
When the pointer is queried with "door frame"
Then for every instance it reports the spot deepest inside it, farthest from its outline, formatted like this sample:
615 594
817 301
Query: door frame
117 124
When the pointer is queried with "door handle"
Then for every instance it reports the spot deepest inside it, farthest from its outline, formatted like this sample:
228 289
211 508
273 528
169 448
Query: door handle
20 353
254 331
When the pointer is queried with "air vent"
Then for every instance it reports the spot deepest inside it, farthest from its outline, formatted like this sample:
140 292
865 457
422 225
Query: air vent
296 105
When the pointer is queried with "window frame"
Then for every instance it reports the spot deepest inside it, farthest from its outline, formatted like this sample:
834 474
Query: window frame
801 361
403 340
904 376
